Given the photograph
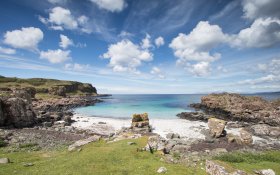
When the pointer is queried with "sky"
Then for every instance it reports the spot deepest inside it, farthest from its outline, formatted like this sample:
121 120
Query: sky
145 46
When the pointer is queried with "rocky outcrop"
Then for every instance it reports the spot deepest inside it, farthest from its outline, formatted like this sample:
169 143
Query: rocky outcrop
63 104
264 130
213 168
16 109
216 127
193 116
236 107
80 143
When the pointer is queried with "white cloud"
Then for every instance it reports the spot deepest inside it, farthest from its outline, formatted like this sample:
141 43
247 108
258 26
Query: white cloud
262 33
196 45
265 79
62 18
56 56
273 67
146 42
57 1
111 5
156 71
7 50
159 41
201 68
126 56
254 9
65 42
76 67
26 38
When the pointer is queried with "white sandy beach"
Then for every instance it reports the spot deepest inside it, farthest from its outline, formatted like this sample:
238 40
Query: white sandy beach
185 128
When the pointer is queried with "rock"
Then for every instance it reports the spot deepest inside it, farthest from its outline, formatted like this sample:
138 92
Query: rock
235 107
67 120
218 151
131 143
216 127
231 137
172 136
245 137
102 123
265 130
80 143
180 148
4 160
193 116
213 168
155 143
162 170
17 112
47 124
58 90
266 172
28 164
140 120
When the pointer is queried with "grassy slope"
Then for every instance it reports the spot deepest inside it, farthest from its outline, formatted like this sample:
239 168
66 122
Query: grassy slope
96 158
252 161
119 158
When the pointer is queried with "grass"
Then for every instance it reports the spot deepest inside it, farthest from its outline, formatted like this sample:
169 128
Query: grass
252 161
98 158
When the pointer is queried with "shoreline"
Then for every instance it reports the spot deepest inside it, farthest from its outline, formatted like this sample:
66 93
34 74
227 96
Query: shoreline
187 129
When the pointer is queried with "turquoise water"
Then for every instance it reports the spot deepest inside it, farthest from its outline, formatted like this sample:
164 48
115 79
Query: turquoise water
157 106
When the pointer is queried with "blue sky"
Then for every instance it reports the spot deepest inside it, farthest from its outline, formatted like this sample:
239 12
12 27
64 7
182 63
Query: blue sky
147 46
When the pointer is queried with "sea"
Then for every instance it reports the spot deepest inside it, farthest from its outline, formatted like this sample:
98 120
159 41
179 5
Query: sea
158 106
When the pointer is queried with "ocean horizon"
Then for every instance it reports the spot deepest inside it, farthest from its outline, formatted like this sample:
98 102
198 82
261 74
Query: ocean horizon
158 106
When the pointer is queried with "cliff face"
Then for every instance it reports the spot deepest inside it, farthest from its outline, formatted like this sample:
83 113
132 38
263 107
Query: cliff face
47 86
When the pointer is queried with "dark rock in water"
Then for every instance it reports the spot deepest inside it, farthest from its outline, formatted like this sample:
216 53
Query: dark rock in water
193 116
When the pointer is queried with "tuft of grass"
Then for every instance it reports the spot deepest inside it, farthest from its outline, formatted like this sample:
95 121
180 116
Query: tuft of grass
28 145
2 143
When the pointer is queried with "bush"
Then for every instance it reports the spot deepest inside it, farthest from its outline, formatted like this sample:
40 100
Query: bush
2 142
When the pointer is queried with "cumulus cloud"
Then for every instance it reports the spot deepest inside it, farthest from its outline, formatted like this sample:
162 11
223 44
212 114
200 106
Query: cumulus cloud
57 1
26 38
62 18
254 9
156 71
146 42
127 56
262 33
201 68
111 5
273 67
196 46
56 56
7 50
65 42
159 41
76 67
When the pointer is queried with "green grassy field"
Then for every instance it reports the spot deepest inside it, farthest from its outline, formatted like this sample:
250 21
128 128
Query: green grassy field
97 158
119 158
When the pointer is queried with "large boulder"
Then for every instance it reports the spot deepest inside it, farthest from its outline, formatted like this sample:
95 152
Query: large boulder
155 143
245 137
216 127
19 112
140 120
265 130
